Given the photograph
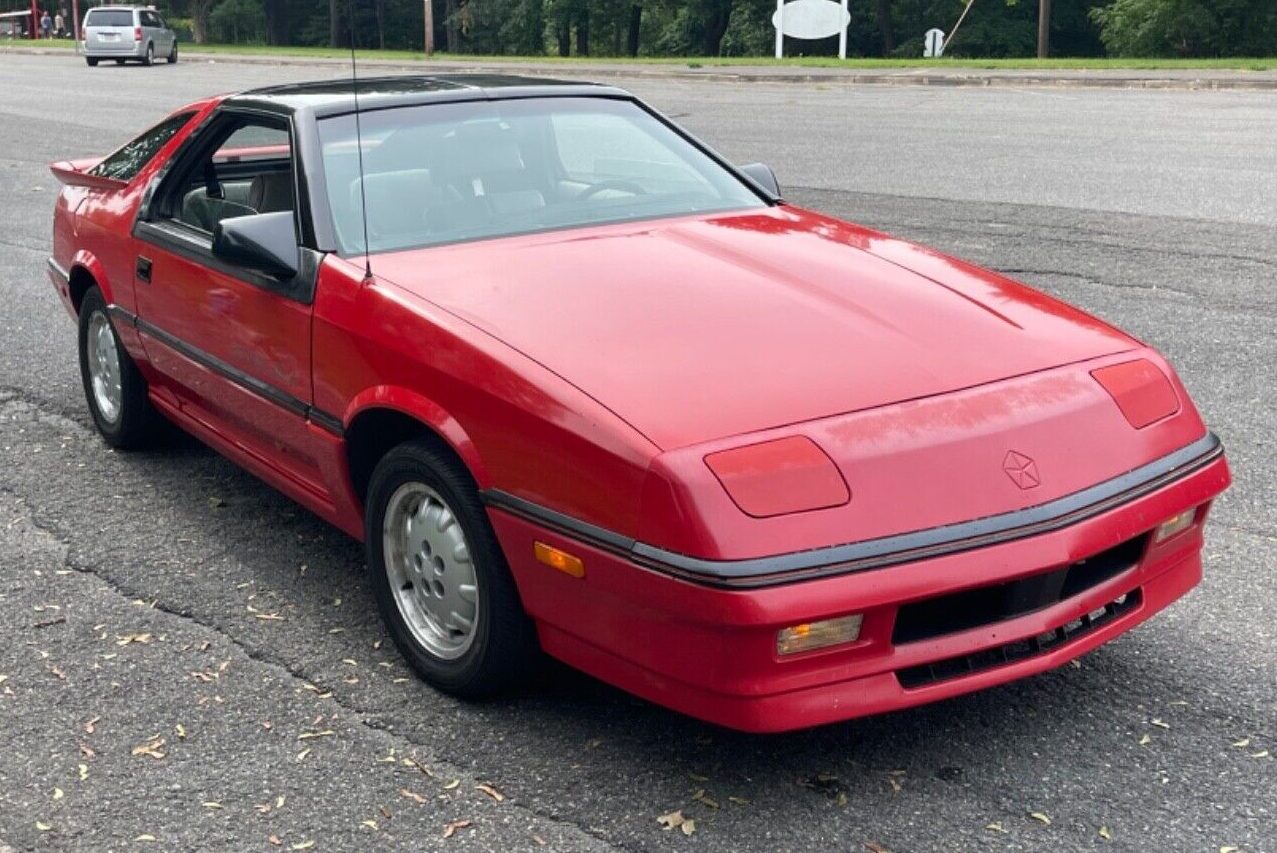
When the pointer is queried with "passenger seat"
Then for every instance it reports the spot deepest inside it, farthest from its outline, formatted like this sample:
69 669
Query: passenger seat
271 192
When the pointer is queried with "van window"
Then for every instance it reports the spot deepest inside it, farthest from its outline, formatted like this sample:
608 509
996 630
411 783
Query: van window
109 18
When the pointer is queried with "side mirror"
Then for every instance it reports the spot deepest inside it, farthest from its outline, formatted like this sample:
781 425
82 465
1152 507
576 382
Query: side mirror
264 242
763 177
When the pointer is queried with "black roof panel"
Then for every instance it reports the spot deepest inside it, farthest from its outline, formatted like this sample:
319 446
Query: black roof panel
332 97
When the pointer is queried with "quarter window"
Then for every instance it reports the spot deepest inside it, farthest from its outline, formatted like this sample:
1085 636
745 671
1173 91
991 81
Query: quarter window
127 161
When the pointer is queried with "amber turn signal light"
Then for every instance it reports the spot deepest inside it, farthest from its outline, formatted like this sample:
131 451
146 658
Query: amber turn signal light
810 636
557 559
1174 525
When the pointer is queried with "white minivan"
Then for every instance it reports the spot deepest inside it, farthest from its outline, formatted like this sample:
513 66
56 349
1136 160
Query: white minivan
127 33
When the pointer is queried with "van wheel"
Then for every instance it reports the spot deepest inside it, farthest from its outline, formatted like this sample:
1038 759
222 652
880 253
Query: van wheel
150 55
172 57
92 61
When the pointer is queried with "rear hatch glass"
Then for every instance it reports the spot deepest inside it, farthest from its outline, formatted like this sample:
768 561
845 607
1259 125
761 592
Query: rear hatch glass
109 18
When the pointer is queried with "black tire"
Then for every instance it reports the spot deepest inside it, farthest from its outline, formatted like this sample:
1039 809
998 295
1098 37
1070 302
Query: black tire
149 59
504 646
91 61
119 62
135 424
172 56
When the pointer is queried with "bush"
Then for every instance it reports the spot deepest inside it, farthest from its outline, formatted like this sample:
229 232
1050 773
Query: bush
1188 28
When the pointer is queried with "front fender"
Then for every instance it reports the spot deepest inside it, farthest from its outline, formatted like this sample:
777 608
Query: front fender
416 405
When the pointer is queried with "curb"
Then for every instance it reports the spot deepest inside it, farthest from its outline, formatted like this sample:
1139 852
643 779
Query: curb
1216 81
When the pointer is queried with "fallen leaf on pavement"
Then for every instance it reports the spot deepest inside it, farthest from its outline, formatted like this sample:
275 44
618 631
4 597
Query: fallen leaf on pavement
412 795
452 828
701 797
146 836
302 845
1105 834
1145 740
1160 724
91 725
308 735
42 826
126 639
371 824
996 827
676 819
58 794
875 847
490 791
150 748
1241 744
84 771
1263 753
1040 818
452 785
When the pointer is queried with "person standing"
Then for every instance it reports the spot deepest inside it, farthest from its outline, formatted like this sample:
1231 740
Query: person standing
46 25
59 24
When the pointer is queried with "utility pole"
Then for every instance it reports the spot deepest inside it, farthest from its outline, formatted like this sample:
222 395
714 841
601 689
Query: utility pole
430 27
1044 28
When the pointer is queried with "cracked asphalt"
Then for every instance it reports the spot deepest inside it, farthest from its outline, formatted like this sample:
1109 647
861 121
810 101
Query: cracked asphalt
188 660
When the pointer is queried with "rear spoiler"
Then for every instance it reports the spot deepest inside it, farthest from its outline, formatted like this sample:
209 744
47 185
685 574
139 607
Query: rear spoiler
75 173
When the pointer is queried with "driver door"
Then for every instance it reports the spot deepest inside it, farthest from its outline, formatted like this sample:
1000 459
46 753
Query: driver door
233 344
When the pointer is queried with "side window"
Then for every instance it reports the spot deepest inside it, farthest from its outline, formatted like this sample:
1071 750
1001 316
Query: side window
246 169
146 19
127 161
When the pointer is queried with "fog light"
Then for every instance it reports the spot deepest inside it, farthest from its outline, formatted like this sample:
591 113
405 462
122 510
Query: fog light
1175 524
818 635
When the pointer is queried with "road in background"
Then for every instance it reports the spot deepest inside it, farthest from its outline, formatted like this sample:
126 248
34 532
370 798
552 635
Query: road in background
167 604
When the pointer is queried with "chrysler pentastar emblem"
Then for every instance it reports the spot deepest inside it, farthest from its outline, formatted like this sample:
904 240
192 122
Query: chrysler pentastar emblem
1022 470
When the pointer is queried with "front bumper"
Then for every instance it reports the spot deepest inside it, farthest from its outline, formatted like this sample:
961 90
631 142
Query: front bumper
710 651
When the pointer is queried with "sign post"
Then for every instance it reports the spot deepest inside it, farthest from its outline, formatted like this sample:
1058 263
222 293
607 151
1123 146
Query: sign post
811 19
933 44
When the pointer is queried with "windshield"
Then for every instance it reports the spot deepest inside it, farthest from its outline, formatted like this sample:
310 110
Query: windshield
443 173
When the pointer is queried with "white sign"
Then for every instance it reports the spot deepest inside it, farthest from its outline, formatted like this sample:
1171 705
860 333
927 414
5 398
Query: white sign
933 43
811 19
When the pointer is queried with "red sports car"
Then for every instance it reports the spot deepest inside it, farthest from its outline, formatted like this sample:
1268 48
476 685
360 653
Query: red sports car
583 386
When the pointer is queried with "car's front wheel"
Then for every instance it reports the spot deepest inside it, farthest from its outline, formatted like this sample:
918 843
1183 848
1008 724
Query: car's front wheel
113 386
440 579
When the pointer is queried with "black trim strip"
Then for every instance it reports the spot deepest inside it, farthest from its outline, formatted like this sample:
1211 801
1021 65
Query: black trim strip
58 271
887 550
270 393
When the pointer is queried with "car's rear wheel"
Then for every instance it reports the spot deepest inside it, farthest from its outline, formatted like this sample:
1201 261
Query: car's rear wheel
149 59
172 55
92 61
113 386
440 579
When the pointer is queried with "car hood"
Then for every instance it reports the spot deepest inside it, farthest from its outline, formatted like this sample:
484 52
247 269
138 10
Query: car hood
699 328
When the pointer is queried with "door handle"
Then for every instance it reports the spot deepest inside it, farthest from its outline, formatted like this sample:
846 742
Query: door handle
144 269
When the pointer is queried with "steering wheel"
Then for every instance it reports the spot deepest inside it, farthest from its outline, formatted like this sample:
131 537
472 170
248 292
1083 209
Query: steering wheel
611 184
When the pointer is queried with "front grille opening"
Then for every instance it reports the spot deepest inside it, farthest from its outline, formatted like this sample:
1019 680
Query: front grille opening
956 667
986 605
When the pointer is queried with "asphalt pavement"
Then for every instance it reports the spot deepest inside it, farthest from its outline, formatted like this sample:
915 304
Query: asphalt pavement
188 660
